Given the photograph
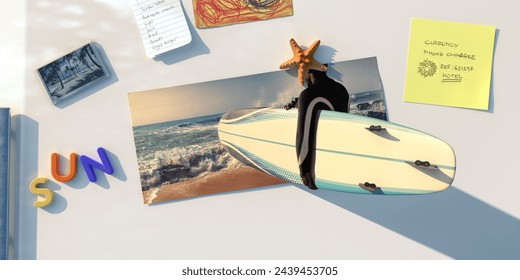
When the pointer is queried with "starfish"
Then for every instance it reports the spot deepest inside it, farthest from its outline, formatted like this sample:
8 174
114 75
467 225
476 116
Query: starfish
303 60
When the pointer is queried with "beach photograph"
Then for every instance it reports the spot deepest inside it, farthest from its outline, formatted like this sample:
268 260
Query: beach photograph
175 129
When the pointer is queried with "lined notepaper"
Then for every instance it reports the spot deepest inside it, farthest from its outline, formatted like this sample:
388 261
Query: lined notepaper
162 24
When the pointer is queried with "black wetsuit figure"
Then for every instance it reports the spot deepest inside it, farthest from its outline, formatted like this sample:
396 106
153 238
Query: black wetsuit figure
322 93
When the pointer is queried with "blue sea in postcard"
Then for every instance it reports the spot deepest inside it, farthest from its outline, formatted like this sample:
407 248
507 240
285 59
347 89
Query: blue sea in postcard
180 150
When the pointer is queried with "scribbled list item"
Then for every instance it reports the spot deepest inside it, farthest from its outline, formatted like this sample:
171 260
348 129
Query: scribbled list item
460 61
449 64
162 24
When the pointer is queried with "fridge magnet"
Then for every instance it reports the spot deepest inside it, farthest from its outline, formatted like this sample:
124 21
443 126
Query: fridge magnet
72 73
303 60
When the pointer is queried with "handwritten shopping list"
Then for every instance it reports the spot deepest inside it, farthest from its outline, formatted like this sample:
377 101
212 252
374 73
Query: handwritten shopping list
162 24
449 64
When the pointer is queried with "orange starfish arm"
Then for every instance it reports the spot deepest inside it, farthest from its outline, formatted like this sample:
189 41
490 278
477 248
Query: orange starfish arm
302 75
288 64
294 46
313 48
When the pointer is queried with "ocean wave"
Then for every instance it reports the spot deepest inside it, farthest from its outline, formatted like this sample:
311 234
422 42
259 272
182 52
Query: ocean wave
184 128
373 108
182 163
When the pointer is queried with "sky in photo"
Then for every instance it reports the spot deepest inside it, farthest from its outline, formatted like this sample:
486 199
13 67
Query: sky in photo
267 89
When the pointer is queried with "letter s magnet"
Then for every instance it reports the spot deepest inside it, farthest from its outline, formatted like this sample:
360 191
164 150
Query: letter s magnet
48 194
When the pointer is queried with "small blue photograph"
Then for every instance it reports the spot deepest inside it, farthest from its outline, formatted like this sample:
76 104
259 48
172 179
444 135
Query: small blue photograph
73 72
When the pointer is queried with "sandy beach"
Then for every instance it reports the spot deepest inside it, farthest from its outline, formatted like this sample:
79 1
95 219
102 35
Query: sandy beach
222 181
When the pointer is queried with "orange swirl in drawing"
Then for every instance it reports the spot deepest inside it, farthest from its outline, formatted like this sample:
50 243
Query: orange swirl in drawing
213 13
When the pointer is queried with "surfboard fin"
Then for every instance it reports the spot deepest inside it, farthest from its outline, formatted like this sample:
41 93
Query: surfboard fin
422 164
373 128
371 187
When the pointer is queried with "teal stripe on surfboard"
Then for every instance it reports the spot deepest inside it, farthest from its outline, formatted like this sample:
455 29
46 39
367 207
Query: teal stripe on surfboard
330 185
290 176
381 158
257 139
264 114
335 152
272 169
368 121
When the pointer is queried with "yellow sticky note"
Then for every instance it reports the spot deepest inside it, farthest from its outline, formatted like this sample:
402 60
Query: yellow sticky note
449 64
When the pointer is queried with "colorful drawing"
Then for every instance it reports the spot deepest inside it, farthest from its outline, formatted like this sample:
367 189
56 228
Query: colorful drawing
214 13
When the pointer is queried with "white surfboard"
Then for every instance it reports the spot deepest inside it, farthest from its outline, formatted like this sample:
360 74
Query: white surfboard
353 153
